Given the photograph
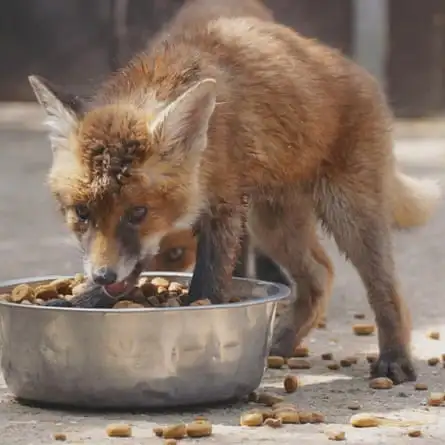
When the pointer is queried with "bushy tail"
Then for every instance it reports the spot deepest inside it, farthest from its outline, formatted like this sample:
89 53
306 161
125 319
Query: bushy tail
414 201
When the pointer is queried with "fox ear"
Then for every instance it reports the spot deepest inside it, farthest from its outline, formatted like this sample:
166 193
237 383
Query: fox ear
62 110
181 128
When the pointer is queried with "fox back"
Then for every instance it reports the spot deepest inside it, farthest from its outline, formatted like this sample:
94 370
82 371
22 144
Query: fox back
204 115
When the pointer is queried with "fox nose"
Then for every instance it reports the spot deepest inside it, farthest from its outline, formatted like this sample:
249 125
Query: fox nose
104 276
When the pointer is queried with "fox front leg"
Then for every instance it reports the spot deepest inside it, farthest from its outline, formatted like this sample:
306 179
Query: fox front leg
219 232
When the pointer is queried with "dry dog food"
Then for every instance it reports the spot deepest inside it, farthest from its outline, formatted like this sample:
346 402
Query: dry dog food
301 351
199 428
296 363
59 436
327 356
381 383
275 362
364 421
339 435
178 431
273 423
363 329
433 361
149 292
251 419
118 430
290 383
436 398
421 387
414 433
333 366
434 335
268 398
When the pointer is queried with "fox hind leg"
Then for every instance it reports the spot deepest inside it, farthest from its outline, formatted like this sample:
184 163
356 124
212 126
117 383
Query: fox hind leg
355 211
284 228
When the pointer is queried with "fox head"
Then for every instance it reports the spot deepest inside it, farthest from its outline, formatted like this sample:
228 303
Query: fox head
125 175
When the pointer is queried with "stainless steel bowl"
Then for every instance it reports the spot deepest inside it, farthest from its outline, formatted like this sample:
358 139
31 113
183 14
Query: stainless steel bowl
138 358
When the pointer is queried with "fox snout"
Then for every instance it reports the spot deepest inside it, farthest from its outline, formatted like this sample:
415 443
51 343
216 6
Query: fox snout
104 275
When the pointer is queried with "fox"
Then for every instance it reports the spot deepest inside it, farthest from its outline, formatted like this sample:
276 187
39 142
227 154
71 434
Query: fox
234 125
177 253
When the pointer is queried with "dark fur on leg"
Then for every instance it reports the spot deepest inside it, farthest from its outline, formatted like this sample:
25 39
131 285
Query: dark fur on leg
219 232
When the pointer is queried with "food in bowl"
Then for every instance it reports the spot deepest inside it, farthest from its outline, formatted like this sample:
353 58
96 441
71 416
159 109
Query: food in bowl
73 292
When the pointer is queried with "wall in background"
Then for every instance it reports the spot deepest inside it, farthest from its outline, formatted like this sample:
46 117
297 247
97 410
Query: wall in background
72 42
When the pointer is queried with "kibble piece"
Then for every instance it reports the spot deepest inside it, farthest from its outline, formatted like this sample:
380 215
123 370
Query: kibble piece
203 302
433 361
269 399
22 292
177 431
62 285
305 417
421 387
327 356
175 287
436 398
290 383
333 366
160 282
434 335
337 435
119 430
317 417
354 406
351 359
46 292
364 421
127 304
251 419
288 416
78 278
359 316
301 351
158 431
321 324
363 329
170 442
59 436
78 289
345 363
199 428
295 363
275 362
273 423
381 383
415 433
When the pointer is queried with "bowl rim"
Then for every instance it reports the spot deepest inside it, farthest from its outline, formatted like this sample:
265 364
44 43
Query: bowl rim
282 291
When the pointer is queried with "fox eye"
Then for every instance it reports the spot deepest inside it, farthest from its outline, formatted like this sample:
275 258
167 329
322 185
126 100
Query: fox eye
136 215
82 212
174 254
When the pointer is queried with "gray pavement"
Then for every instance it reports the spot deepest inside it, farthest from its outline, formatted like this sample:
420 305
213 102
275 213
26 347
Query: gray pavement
33 241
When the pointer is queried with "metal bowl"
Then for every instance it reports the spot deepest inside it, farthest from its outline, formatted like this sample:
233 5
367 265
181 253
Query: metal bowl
138 358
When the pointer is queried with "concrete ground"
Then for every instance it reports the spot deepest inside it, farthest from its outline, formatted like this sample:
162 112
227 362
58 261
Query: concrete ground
33 241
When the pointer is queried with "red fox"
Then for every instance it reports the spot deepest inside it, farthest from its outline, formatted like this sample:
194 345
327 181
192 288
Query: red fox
236 122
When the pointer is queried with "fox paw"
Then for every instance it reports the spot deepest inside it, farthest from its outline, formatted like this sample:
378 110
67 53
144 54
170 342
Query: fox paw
395 364
283 343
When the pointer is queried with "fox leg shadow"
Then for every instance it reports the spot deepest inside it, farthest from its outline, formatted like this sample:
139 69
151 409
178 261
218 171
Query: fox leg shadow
219 232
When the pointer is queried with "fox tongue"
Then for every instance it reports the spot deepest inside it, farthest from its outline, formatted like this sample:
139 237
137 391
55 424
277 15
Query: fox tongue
116 289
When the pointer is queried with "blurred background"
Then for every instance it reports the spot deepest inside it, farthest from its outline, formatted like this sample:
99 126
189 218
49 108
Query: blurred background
76 43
